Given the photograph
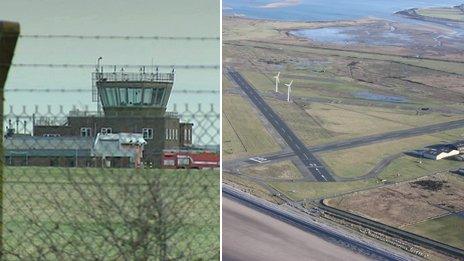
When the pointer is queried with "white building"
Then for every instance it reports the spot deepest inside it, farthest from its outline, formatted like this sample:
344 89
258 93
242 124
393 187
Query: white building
119 146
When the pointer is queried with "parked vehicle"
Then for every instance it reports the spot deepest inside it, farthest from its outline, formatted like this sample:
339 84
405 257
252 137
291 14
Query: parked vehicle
178 159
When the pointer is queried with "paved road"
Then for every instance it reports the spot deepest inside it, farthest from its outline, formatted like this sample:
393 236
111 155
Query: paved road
254 229
298 147
371 139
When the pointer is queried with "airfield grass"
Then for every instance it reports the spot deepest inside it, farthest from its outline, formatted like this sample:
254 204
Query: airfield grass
308 84
302 190
358 161
64 213
243 133
448 229
279 170
226 84
442 13
250 186
322 123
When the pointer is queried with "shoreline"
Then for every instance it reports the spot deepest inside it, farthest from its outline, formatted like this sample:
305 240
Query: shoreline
412 13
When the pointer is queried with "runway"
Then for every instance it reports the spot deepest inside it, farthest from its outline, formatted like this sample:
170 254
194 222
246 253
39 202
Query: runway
298 147
251 235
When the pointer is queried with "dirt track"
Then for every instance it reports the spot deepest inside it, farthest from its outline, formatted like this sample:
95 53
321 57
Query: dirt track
251 235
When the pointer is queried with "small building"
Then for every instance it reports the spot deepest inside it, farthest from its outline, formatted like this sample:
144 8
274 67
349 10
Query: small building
119 150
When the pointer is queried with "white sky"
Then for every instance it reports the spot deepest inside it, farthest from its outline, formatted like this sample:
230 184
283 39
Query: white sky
115 17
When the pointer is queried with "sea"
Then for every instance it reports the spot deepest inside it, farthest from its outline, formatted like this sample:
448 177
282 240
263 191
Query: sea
323 10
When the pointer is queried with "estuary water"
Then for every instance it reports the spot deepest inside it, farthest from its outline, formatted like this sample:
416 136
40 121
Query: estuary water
325 10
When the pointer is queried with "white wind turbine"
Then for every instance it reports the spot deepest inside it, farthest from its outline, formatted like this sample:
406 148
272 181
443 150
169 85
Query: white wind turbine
289 88
277 81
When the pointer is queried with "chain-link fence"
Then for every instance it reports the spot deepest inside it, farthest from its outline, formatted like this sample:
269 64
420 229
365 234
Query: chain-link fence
82 185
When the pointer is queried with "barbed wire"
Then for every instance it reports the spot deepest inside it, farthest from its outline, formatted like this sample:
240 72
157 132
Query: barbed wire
23 90
85 66
116 37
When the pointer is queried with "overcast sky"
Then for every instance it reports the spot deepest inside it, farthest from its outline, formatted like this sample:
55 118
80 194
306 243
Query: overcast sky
112 17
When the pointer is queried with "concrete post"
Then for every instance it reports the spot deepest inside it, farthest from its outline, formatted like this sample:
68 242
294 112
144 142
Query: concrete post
9 32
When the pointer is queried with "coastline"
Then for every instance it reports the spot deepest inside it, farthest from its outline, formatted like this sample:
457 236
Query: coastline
412 13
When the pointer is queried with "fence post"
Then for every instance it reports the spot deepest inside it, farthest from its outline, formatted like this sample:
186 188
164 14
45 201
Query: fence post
9 32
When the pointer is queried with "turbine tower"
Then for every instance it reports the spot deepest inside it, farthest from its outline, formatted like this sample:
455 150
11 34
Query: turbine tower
277 81
289 88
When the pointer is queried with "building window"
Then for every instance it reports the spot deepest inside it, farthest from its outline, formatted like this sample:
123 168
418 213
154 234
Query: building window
167 134
147 133
86 132
185 135
106 131
176 134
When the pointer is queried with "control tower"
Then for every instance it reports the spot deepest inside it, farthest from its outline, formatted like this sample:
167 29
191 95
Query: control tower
133 94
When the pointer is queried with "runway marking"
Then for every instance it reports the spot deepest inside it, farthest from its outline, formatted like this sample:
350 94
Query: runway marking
259 159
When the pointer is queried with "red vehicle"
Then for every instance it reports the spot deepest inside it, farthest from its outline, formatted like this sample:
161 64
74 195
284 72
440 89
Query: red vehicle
178 159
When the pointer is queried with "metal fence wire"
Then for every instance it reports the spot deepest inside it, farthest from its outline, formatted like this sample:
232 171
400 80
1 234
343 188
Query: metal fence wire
80 185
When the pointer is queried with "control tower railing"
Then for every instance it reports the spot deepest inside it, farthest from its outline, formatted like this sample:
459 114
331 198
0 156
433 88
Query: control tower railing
136 77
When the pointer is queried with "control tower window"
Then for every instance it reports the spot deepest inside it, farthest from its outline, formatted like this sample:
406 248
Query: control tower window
112 96
159 95
123 96
147 96
134 96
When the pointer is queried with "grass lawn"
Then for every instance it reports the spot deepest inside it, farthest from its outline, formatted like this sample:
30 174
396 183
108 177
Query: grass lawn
249 186
358 161
409 168
280 170
68 213
448 229
243 133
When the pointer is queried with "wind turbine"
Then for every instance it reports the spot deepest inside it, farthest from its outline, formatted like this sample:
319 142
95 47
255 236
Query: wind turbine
289 88
277 81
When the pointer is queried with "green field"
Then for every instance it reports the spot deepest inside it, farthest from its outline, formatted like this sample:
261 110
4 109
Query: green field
448 229
243 132
127 214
